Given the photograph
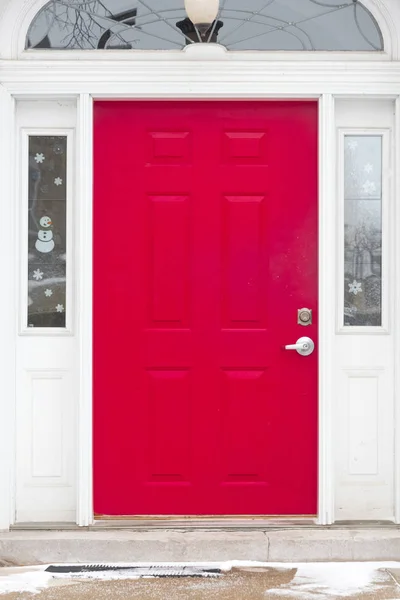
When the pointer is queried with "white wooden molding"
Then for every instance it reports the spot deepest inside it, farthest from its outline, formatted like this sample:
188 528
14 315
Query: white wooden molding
158 78
8 303
327 216
22 240
396 316
84 271
387 224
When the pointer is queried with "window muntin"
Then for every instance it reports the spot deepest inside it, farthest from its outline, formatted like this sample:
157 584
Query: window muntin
291 25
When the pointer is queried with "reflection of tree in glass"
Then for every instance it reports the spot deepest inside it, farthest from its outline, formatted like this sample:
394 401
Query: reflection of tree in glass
365 244
86 24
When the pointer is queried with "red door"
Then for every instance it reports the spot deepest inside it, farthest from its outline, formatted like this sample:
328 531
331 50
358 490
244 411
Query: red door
205 248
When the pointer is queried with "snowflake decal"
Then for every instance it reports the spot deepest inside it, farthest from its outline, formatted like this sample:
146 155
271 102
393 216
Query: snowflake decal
48 293
40 157
355 288
38 275
369 187
353 145
60 308
58 148
58 181
368 168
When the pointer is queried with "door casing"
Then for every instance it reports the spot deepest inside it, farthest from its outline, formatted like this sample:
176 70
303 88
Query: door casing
83 282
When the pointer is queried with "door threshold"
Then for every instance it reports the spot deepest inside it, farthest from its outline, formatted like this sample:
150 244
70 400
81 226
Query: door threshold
202 522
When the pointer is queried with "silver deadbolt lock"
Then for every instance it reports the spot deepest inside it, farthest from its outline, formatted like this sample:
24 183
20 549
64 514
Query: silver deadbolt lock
304 316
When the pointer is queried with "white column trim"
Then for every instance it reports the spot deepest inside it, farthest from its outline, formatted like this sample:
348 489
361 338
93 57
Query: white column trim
84 224
8 304
396 316
327 232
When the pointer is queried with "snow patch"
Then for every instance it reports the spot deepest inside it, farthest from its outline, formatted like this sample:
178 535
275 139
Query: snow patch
334 580
21 580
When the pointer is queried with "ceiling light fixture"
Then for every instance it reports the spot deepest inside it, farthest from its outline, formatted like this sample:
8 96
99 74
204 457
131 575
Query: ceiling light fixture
202 13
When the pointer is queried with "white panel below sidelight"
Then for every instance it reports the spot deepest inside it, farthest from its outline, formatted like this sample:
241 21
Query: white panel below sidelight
48 403
46 446
365 449
362 400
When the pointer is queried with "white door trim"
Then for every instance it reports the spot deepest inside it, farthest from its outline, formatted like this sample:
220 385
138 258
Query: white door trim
196 76
85 293
201 71
8 310
326 309
327 300
396 313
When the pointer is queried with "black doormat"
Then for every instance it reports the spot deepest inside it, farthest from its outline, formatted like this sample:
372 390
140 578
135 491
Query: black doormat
138 571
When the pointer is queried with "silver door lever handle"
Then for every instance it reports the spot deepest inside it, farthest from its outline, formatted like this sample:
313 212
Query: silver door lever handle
304 346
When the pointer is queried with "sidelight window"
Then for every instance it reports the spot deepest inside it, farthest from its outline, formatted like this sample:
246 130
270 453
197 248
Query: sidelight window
47 231
363 203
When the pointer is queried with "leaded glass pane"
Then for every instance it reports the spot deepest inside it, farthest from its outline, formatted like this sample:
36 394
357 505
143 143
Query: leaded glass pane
363 230
241 25
47 245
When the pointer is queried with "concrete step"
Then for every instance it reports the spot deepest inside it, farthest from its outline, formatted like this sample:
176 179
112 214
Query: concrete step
301 545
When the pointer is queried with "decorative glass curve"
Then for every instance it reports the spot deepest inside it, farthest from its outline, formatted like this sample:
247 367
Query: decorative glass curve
363 230
47 228
341 25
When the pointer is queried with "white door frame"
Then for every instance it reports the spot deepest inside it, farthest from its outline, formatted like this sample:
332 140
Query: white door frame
84 270
201 72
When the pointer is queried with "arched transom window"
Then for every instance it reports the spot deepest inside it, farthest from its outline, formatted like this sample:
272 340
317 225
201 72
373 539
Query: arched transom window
341 25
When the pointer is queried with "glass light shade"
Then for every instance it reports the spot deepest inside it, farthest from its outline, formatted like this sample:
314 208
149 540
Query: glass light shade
202 12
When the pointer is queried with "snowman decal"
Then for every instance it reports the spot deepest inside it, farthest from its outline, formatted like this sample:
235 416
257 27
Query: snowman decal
45 242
